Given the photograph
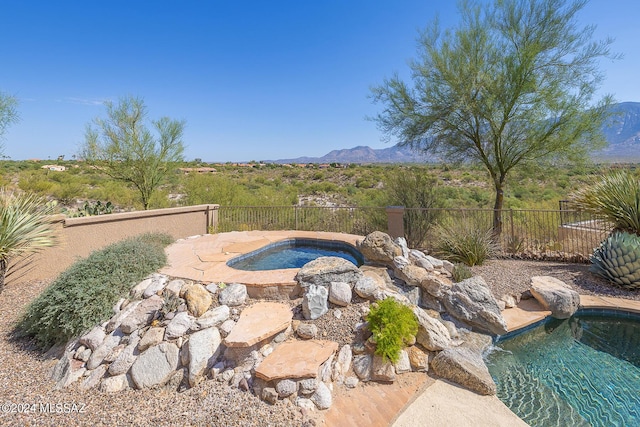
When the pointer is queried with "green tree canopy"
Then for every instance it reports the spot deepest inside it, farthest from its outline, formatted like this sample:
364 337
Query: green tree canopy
126 149
8 113
515 82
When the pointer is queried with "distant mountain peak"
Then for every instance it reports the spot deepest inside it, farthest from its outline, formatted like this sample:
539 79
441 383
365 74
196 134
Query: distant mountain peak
622 133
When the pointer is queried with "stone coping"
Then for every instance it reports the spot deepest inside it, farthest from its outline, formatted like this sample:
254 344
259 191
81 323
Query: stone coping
529 312
204 258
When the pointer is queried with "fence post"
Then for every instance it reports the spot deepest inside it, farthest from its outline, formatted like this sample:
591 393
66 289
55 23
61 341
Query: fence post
295 210
395 221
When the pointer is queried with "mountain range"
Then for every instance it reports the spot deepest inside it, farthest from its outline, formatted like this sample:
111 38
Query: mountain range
622 133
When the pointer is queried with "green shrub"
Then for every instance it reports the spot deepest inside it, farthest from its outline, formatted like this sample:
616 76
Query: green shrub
392 325
461 272
616 198
84 294
465 243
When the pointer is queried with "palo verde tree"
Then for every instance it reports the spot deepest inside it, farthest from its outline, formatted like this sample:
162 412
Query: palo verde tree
8 113
514 83
126 149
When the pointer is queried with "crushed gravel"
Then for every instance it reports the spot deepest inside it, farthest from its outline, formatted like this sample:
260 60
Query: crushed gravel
25 384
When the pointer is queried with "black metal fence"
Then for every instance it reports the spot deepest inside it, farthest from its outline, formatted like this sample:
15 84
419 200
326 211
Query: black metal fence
564 234
340 219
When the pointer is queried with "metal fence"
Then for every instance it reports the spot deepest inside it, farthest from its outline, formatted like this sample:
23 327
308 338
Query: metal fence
564 235
340 219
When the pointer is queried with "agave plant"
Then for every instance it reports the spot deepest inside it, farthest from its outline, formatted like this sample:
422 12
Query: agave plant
25 227
618 260
616 198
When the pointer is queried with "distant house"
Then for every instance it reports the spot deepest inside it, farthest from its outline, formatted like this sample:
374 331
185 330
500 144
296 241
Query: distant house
197 170
55 168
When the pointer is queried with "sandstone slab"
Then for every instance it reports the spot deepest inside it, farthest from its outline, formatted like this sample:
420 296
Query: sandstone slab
258 322
296 359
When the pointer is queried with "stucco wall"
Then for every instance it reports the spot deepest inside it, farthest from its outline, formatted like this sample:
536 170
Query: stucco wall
81 236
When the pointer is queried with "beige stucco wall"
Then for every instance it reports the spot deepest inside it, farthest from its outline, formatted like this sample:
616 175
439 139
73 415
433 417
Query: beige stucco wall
81 236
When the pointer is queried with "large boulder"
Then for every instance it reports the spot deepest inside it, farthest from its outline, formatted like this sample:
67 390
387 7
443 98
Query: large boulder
554 295
155 366
379 247
472 302
324 270
432 334
465 367
204 348
411 274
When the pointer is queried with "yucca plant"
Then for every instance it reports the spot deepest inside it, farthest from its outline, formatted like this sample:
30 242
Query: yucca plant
465 243
25 227
618 260
615 198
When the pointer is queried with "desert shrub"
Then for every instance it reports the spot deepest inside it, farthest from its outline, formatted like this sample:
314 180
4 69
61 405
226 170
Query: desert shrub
616 198
461 272
392 325
84 294
465 243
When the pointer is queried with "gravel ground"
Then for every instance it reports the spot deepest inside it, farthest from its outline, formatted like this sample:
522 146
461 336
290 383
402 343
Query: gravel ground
24 371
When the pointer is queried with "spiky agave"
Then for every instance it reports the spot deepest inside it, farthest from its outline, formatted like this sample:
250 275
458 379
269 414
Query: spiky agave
618 259
25 227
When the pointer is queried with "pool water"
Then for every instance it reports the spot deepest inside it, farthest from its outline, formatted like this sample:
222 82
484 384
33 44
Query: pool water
294 254
584 371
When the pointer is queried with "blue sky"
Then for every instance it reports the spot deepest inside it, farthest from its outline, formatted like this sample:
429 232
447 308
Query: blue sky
254 80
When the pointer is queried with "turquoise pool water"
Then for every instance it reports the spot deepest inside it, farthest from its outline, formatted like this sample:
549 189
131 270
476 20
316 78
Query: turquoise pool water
584 371
294 254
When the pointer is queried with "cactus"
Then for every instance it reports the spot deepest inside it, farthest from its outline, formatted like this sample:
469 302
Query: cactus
618 259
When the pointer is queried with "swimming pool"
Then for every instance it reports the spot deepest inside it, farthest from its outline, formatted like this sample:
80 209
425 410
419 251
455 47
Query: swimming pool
294 253
584 371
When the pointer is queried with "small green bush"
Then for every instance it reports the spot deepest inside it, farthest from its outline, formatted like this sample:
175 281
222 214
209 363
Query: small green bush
392 325
465 243
84 294
461 272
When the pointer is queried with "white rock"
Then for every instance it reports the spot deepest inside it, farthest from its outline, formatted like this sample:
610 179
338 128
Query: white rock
127 357
362 366
401 262
366 287
158 283
351 382
114 384
204 349
97 357
213 317
314 303
116 320
153 336
305 403
233 295
403 364
286 388
94 338
94 378
155 366
179 325
174 287
213 288
340 293
322 396
226 327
